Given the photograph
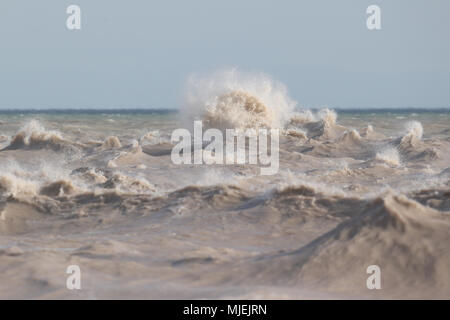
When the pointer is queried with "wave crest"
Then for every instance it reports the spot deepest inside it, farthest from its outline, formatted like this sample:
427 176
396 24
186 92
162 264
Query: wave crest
233 99
34 135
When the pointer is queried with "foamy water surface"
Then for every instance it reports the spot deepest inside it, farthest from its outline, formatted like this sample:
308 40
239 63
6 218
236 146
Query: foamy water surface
98 189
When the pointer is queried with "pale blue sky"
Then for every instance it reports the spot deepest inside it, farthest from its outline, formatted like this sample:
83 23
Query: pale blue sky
138 53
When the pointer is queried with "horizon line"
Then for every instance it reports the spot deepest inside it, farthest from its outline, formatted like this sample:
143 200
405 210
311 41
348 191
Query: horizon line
173 110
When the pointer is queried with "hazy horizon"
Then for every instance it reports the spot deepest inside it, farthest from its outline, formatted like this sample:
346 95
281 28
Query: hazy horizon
139 55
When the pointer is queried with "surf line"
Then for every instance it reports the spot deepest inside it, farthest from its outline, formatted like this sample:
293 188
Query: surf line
235 147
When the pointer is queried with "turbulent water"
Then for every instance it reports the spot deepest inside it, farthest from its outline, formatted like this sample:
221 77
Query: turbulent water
98 189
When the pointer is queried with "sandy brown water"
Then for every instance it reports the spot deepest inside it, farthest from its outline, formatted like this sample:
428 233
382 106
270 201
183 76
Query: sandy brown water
99 190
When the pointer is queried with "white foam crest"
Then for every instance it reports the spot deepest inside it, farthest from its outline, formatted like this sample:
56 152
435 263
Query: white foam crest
328 116
35 130
151 137
414 128
112 142
22 181
303 116
290 180
216 176
123 183
389 155
237 100
297 133
11 184
367 130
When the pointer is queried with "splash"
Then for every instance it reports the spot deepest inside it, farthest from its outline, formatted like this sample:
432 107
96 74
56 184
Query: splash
328 117
414 129
350 137
389 155
12 185
302 117
233 99
58 188
112 142
33 135
47 178
410 142
320 125
368 132
123 183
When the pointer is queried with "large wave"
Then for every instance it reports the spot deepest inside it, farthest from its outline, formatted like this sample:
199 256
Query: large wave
235 99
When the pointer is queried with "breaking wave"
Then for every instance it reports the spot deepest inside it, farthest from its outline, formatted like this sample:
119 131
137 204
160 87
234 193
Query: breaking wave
389 155
234 99
414 128
348 194
33 135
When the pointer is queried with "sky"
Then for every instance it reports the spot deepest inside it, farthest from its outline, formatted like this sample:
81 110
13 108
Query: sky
139 53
